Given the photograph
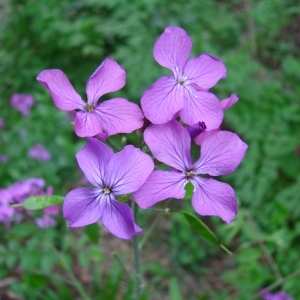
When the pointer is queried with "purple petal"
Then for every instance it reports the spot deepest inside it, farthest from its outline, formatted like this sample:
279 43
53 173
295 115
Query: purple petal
93 160
118 219
204 71
172 49
83 206
119 116
201 137
39 152
45 222
87 124
22 102
62 92
162 100
170 143
228 102
214 198
128 170
201 106
109 77
159 186
221 153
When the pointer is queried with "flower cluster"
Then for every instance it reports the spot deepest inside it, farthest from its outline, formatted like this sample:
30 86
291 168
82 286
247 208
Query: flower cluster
183 95
16 194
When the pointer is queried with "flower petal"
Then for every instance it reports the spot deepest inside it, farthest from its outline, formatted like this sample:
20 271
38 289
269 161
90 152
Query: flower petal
172 49
87 124
118 219
170 143
128 170
221 153
202 136
109 77
214 198
228 102
83 206
162 100
119 116
93 160
201 106
159 186
204 71
61 90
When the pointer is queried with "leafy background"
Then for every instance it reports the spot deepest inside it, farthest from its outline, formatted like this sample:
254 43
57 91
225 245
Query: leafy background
259 44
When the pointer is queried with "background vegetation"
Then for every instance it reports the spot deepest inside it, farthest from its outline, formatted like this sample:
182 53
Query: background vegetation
259 44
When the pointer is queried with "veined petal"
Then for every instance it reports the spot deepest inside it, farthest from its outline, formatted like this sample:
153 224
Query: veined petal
93 160
204 71
128 170
83 206
202 136
119 116
201 106
162 100
159 186
172 49
170 143
214 198
221 153
61 90
109 77
87 124
228 102
118 219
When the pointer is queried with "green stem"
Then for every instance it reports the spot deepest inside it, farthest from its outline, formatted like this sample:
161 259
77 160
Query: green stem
138 276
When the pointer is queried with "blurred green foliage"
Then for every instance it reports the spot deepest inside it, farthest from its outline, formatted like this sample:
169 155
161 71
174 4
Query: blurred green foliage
259 43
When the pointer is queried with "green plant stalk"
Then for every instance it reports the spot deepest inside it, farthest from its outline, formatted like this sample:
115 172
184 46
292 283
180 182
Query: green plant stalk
138 275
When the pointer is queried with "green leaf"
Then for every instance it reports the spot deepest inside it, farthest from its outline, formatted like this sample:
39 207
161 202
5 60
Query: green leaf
202 229
40 202
189 191
93 232
174 289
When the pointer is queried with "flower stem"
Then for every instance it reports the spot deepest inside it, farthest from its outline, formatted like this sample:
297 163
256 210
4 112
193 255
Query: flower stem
138 275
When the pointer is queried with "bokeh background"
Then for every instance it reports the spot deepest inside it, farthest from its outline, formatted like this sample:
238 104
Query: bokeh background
259 42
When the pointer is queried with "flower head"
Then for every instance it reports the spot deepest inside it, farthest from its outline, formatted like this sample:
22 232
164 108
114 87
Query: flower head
186 91
221 153
22 102
112 175
282 295
38 152
117 115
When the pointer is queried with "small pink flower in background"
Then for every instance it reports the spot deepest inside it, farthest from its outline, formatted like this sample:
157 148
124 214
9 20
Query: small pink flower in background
186 92
113 116
282 295
1 123
38 152
3 158
221 153
22 102
112 174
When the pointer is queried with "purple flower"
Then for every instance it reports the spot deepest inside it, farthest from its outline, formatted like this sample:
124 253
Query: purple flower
278 296
117 115
221 153
3 158
112 175
1 123
200 137
186 91
45 222
6 212
22 102
38 152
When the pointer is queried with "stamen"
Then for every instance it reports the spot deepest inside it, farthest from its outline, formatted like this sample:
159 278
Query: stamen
190 173
89 107
106 190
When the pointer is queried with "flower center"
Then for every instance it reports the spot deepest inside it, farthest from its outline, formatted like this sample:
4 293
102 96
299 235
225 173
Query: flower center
89 107
181 81
106 190
190 173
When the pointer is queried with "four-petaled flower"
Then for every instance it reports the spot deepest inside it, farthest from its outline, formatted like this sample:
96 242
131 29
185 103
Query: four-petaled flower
112 175
117 115
221 153
186 92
